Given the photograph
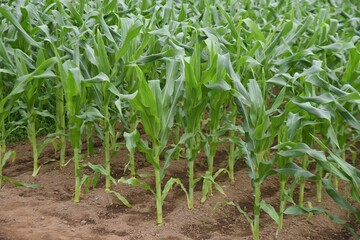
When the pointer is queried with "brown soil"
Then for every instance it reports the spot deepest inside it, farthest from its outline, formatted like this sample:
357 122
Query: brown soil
49 212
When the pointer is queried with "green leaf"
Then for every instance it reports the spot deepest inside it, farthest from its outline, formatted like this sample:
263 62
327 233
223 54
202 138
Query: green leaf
12 19
84 181
135 182
43 144
19 184
122 199
131 139
255 30
299 149
278 101
336 196
294 170
97 168
7 155
270 210
100 78
27 185
102 56
297 210
91 114
320 113
133 32
168 186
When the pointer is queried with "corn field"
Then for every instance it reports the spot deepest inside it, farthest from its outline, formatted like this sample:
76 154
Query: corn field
276 82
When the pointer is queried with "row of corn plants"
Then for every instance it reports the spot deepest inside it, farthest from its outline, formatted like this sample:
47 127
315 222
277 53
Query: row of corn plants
279 81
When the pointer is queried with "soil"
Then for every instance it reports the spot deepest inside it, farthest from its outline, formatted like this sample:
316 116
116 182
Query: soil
49 212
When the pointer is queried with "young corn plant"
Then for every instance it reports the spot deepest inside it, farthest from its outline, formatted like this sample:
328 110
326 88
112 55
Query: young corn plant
218 95
7 75
6 103
334 165
156 107
16 65
75 88
260 130
195 101
290 132
29 99
231 159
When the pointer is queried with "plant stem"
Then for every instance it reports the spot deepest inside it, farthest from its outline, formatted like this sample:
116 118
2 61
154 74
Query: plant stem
231 159
176 140
132 151
282 201
132 163
107 160
2 132
191 183
60 123
191 166
158 196
32 137
336 182
213 146
302 182
335 178
89 139
232 144
107 148
77 175
319 183
256 229
2 152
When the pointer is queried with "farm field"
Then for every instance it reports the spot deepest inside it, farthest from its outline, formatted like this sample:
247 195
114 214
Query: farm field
50 214
214 119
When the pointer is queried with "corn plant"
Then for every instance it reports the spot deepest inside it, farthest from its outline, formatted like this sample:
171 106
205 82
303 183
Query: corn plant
31 95
218 95
260 132
75 87
156 107
6 104
195 101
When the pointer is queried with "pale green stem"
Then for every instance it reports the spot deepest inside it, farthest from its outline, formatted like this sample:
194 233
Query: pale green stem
256 229
232 145
302 182
211 170
132 151
32 137
77 175
2 152
191 166
89 139
107 149
191 183
132 162
2 133
158 196
282 201
211 164
257 191
176 141
336 182
231 159
335 178
319 183
107 161
60 123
